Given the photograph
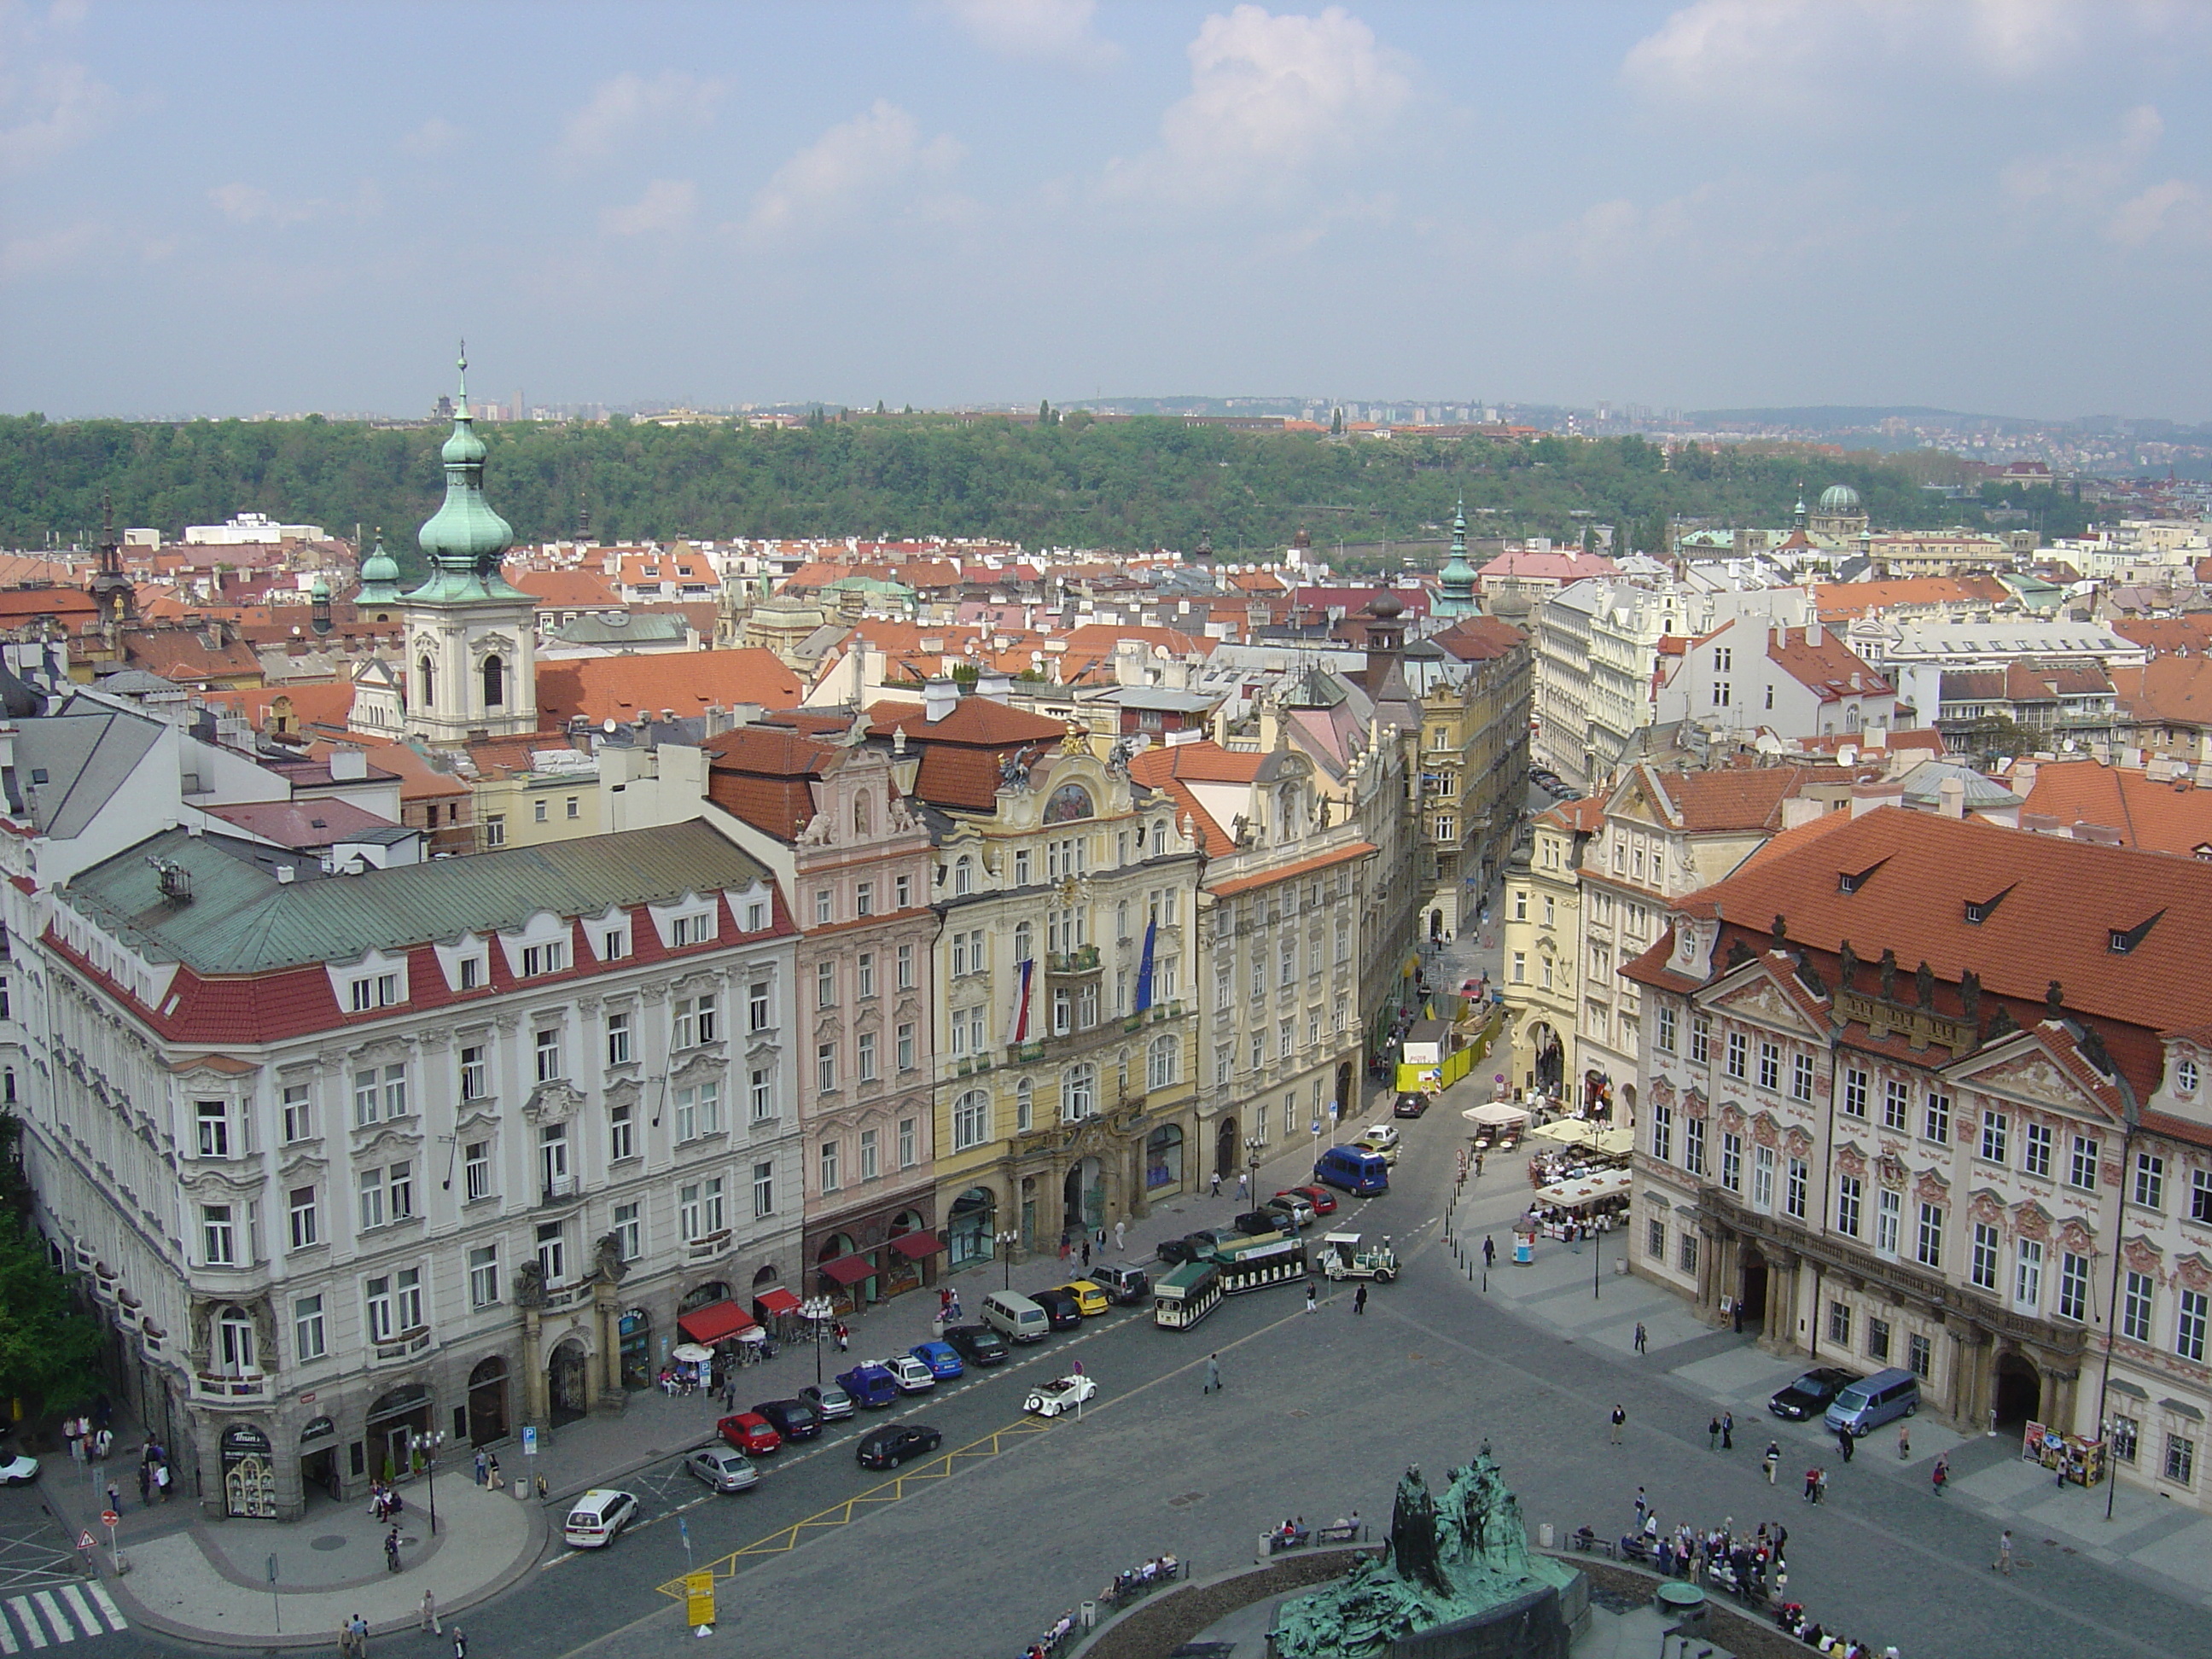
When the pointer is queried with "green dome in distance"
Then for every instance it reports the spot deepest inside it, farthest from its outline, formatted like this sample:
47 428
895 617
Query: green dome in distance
1839 498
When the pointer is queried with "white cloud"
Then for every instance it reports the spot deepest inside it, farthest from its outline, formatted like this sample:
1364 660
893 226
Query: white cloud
51 250
1045 30
53 108
250 204
852 162
2175 209
2090 174
435 137
667 205
1271 97
619 109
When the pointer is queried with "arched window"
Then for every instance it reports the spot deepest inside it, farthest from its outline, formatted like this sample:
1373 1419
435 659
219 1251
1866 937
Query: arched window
1026 1105
963 876
234 1336
428 678
971 1120
1024 940
1159 837
1160 1062
1070 802
494 682
1078 1092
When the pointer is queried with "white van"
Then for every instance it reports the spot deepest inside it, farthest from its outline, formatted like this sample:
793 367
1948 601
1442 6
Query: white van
1015 1317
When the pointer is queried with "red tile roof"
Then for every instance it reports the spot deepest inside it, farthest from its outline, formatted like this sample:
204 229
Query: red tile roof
1844 600
1358 850
687 681
1480 639
2162 817
2168 690
565 589
963 755
1830 670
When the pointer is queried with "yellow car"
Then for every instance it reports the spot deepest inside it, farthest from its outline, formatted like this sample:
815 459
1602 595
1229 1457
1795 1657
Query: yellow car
1090 1300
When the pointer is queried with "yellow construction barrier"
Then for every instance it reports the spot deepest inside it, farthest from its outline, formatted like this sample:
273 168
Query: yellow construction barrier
699 1598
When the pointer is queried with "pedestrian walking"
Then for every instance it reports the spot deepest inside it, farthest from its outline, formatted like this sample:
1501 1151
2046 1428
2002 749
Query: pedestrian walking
103 1442
1772 1460
1478 1166
1812 1485
392 1550
1727 1430
1619 1416
145 1484
1216 1184
1713 1435
430 1612
1359 1300
1312 1302
1243 1185
1641 1337
460 1644
115 1498
1940 1476
1120 1231
2003 1563
70 1433
844 1337
161 1478
481 1466
1904 1442
360 1637
1846 1442
1086 1252
1066 1250
1212 1374
1489 1250
1641 1506
956 1306
1820 1488
493 1481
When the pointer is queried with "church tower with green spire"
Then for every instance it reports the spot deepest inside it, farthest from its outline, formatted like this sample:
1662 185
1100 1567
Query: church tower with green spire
1455 582
471 658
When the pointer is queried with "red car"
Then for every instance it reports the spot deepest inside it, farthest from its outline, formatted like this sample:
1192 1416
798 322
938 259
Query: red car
748 1432
1323 1201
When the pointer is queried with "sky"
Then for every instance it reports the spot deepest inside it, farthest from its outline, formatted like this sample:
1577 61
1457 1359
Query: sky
2002 206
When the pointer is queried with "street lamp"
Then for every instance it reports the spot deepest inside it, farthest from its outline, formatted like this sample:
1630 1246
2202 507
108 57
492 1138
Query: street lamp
1004 1242
1252 1146
817 1310
425 1446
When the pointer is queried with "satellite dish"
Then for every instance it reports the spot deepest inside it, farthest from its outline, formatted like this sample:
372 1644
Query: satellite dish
607 726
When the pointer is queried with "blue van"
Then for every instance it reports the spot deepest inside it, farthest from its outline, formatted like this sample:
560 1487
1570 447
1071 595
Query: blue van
1863 1407
1353 1170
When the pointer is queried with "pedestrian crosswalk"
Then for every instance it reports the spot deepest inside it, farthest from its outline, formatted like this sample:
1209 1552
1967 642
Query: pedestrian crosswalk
47 1617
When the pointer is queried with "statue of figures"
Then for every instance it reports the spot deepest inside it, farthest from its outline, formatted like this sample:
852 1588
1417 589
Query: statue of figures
1888 971
1924 984
1413 1534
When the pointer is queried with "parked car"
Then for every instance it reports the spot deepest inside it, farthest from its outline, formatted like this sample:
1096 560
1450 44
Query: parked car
1191 1247
978 1344
832 1402
889 1444
942 1358
749 1432
792 1419
1358 1171
1323 1199
1060 1310
911 1376
1380 1138
17 1468
869 1384
1291 1210
1124 1282
1089 1297
1062 1393
596 1519
1808 1396
723 1468
1410 1104
1253 1223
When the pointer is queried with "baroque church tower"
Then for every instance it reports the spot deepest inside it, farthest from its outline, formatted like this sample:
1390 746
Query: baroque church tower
471 658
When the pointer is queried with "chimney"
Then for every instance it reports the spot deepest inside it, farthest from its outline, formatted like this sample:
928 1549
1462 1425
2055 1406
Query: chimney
994 685
1813 635
2022 778
286 874
348 765
1952 793
938 698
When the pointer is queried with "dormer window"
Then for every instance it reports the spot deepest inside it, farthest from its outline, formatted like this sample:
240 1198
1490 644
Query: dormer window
2185 1077
1979 911
2124 940
1851 881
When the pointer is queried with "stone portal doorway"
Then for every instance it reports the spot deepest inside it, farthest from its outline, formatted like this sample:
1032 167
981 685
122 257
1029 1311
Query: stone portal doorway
2018 1390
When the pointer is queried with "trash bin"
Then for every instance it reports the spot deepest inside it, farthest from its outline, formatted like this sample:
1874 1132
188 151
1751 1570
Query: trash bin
1090 1614
1544 1535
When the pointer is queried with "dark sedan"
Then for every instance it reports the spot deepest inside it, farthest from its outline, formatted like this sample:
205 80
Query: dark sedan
1810 1394
792 1419
1411 1104
976 1345
1191 1247
1062 1310
894 1443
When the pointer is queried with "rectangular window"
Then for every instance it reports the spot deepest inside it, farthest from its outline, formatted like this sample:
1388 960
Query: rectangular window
395 1091
2073 1287
1982 1260
1520 967
1794 1193
1995 1136
1920 1356
306 1231
865 973
2035 1154
1850 1193
1888 1221
1732 1161
2027 1276
1701 1039
367 1097
905 1047
864 899
484 1275
761 1095
1801 1076
1694 1145
903 892
622 1132
826 979
495 830
1855 1092
909 1143
574 805
1839 1323
473 972
308 1342
823 915
757 1006
400 1188
544 959
2081 1169
2126 1439
617 1039
539 813
906 967
2135 1303
1662 1133
1770 1066
553 1251
1739 1055
1937 1123
548 1054
628 1230
1663 1032
1878 1341
1896 1105
476 1170
755 915
763 1189
2180 1459
871 1158
376 1303
1762 1178
971 1120
1928 1246
2150 1181
370 1196
829 1156
475 1079
214 1121
1655 1240
865 1046
299 1113
2200 1195
408 1288
1686 1253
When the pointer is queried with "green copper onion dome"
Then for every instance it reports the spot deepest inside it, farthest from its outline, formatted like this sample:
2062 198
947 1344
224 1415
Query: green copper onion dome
464 537
1457 578
379 577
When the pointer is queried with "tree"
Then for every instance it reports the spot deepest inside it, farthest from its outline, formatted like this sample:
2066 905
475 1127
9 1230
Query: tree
1336 422
49 1353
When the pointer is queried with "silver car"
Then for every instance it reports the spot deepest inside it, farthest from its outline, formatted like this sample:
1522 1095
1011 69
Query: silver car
723 1467
832 1402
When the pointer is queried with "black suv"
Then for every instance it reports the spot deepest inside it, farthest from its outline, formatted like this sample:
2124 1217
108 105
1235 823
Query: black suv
890 1445
1061 1311
1410 1105
793 1419
1810 1394
1191 1245
1123 1281
1253 1223
977 1345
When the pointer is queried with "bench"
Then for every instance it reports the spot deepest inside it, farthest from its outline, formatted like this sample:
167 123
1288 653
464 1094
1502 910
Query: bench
1350 1532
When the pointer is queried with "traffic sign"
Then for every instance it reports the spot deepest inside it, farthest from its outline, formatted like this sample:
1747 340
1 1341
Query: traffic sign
84 1541
108 1517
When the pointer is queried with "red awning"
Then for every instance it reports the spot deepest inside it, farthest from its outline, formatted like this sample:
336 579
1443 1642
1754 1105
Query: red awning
917 1245
776 1301
849 1269
715 1322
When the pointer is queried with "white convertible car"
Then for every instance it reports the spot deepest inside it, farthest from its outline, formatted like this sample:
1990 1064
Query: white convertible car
1062 1393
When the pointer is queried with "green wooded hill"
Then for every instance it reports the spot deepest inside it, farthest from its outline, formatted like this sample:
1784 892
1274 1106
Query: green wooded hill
1064 482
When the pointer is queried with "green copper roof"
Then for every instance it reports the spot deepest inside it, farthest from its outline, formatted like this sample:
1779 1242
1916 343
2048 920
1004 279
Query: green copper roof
1458 576
379 577
465 537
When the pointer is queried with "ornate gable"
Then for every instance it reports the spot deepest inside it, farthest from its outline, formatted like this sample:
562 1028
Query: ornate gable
2024 1071
1761 999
